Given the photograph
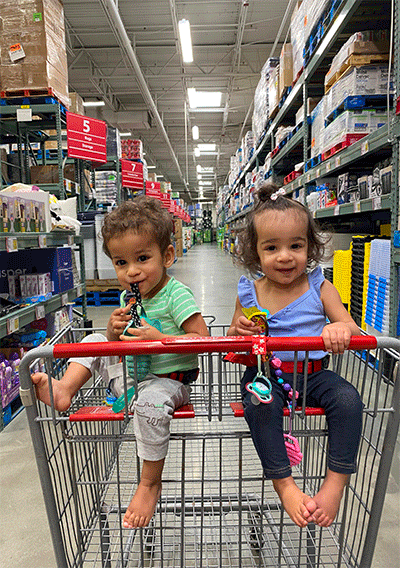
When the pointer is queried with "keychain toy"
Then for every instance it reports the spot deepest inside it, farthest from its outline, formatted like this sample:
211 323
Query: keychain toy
261 387
143 362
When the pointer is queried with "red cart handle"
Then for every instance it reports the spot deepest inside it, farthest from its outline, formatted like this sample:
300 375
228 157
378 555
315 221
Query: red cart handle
201 345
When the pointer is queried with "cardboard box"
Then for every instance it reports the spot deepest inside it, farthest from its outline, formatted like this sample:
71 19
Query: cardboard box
76 103
273 90
178 228
179 247
49 174
32 47
285 69
56 261
25 211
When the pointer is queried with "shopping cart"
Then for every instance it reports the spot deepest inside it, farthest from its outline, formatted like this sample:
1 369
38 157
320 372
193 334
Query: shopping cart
216 508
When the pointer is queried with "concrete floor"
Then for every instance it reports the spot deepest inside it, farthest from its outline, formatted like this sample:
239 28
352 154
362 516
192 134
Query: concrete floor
25 540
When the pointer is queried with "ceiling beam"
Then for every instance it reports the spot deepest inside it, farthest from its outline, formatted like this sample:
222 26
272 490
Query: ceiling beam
117 26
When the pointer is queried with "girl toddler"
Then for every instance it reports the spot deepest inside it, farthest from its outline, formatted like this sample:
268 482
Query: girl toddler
282 242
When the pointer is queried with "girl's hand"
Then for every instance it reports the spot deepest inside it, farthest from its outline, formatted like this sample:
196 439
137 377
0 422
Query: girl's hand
145 333
336 337
245 326
118 321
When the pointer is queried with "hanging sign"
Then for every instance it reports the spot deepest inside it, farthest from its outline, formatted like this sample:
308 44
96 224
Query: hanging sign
86 138
132 174
153 189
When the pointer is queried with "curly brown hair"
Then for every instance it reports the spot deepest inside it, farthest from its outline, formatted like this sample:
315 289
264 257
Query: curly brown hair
246 254
143 215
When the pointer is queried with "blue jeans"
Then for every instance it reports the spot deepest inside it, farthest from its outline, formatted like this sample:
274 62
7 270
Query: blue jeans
343 411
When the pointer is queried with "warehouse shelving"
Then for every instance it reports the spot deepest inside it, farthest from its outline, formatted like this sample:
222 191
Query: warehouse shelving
352 16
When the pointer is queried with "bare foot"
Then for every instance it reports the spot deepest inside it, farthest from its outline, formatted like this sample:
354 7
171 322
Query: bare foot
297 504
327 500
142 507
62 398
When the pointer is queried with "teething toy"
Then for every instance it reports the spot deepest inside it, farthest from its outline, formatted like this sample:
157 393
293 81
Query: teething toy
143 362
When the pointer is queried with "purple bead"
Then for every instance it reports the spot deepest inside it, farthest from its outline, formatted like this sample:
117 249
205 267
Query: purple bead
287 387
278 372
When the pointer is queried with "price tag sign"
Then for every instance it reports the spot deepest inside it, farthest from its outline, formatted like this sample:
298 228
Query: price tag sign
79 290
86 138
64 299
308 177
132 174
337 210
328 166
42 241
337 162
24 114
376 203
40 311
12 325
11 244
16 52
357 207
70 240
318 172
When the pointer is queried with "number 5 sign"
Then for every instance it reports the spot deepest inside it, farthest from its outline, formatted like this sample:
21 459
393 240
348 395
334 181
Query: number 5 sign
86 138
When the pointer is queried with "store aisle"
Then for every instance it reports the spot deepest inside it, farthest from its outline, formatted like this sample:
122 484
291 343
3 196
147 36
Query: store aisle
24 535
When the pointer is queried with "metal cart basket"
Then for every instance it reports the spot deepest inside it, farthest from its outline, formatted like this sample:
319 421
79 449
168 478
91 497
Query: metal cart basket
216 508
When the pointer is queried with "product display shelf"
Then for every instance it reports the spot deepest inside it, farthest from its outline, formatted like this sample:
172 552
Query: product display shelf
25 315
352 16
49 116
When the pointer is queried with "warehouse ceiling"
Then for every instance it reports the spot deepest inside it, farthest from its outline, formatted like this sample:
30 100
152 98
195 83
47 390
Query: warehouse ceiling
128 54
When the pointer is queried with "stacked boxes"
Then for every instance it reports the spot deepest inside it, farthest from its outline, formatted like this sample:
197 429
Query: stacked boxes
378 295
358 81
24 211
28 270
105 190
32 48
297 37
359 279
347 128
132 149
317 128
285 69
361 43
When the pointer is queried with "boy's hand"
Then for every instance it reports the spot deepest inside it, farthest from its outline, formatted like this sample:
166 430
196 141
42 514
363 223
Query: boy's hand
245 326
336 337
145 333
118 321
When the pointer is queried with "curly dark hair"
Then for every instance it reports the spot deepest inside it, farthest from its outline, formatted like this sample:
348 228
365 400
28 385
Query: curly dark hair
246 254
143 215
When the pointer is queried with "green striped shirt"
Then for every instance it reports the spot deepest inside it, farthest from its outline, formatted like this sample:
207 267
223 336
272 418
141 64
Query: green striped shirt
172 306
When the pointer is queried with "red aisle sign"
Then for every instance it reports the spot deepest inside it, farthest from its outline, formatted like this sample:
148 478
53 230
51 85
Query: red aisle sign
153 189
86 138
132 174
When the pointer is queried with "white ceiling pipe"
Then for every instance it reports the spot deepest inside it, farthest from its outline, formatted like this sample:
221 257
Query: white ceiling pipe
119 30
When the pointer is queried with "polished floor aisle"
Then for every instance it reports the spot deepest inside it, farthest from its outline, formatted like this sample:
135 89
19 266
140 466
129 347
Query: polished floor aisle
25 540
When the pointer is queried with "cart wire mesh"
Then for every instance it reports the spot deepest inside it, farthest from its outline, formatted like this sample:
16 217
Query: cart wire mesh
216 508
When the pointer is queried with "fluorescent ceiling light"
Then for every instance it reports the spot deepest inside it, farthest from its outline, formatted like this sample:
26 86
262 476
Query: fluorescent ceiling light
93 103
125 134
204 99
199 176
195 132
159 176
202 169
205 183
197 152
207 147
151 167
186 40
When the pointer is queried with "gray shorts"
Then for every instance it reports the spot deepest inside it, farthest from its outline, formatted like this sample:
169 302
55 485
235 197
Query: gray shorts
157 399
